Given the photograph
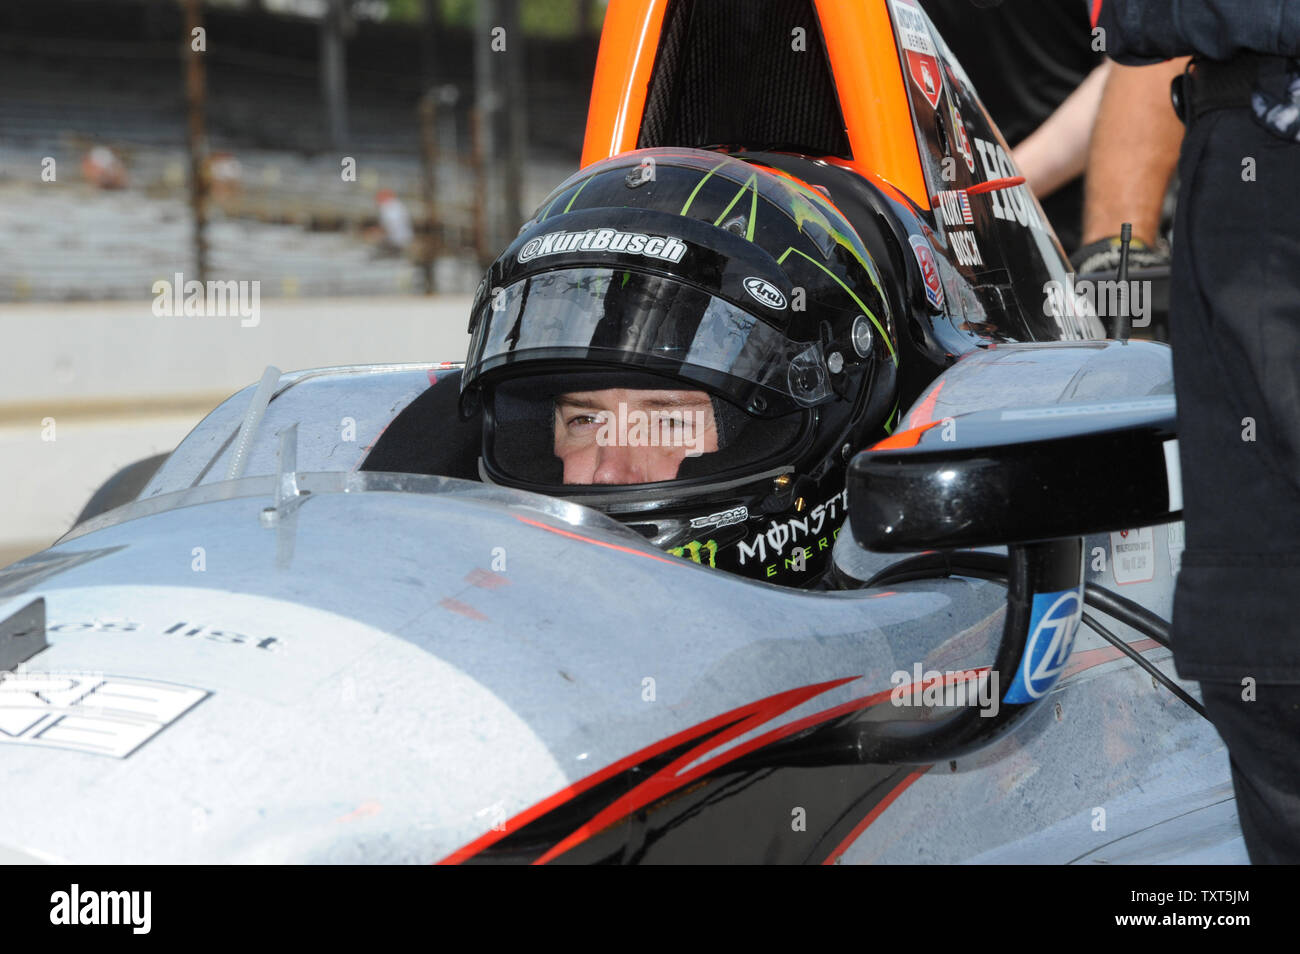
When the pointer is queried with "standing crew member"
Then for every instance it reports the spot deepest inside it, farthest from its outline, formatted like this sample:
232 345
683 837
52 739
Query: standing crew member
1235 328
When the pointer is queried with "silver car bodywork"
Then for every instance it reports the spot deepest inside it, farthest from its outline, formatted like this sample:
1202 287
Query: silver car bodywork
325 664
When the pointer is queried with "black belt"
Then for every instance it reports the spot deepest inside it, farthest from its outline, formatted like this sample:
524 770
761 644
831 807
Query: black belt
1220 84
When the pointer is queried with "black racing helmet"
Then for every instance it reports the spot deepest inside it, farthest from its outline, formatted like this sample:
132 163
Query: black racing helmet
692 343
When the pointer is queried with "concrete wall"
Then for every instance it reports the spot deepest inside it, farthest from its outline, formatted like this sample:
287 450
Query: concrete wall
112 383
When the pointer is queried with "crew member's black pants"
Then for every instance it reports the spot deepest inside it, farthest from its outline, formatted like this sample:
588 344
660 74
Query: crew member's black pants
1261 739
1235 331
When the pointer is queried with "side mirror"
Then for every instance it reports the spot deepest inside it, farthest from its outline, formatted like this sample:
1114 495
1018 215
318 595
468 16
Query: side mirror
1017 476
1037 480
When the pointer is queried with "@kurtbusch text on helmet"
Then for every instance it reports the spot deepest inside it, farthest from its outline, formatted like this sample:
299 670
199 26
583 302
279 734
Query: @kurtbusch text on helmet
665 247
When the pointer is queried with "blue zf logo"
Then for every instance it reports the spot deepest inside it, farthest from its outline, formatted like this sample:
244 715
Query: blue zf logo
1052 624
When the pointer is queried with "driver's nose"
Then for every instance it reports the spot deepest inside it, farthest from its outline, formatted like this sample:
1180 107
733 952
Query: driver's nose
619 465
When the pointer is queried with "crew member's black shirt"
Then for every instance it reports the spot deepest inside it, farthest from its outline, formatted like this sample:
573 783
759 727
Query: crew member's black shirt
1024 57
1147 31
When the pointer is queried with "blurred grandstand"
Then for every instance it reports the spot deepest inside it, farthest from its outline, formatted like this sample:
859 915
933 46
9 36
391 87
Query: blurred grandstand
79 77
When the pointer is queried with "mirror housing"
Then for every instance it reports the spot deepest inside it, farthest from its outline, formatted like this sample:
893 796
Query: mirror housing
1037 480
1018 475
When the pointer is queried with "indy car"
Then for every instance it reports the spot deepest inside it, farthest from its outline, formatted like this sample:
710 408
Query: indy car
314 632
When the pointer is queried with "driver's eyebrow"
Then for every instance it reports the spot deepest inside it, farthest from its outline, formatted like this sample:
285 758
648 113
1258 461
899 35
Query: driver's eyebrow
674 402
577 400
582 399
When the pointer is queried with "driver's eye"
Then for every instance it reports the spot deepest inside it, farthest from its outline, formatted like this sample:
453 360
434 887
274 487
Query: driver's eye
580 421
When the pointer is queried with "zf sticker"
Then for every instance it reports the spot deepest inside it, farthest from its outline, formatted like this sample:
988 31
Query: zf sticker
1053 622
103 715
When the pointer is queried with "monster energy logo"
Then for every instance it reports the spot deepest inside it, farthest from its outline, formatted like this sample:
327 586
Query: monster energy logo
695 549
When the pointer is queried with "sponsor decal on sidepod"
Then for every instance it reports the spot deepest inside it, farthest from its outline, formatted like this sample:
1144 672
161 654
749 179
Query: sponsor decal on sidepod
1053 621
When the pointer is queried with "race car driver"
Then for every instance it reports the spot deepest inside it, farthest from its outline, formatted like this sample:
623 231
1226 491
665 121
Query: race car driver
694 344
1235 333
630 436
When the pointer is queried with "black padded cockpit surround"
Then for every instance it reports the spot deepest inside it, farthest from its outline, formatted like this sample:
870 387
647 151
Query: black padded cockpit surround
428 436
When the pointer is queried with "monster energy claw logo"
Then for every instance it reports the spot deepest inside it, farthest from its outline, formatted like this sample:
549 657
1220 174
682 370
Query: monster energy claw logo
694 550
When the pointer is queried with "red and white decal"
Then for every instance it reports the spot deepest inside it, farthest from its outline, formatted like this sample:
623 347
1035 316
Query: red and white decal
929 271
959 133
918 50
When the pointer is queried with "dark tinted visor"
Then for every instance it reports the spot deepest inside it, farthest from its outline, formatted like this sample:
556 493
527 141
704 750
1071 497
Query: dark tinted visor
652 323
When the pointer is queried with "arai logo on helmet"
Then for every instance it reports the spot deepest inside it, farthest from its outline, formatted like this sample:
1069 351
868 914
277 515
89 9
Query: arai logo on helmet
665 247
765 292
